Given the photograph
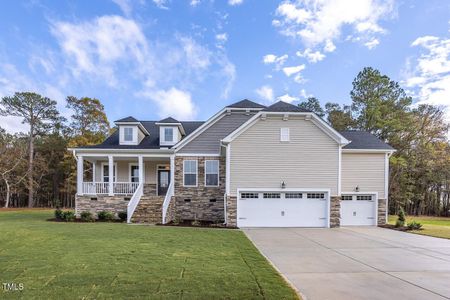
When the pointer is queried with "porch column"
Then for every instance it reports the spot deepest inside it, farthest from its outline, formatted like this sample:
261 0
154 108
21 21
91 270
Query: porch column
80 173
111 175
172 168
93 171
141 169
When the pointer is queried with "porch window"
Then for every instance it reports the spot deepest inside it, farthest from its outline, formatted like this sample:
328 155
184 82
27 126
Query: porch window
134 173
106 173
168 134
211 172
190 173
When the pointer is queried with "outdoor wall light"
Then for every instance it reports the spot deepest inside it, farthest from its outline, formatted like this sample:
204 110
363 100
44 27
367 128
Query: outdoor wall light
283 185
357 188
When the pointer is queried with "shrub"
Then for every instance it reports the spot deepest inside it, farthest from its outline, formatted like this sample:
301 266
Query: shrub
58 214
87 216
401 218
68 216
122 215
176 221
414 225
105 215
195 223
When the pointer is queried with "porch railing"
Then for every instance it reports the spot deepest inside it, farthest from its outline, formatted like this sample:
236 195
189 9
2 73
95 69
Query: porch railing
169 194
124 188
134 201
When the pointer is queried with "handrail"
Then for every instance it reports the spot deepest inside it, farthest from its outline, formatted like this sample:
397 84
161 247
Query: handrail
134 201
166 202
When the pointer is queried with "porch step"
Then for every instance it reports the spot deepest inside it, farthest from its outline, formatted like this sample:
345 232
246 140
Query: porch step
149 210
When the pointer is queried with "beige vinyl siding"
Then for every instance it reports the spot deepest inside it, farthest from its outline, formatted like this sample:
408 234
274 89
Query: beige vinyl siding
123 170
209 140
365 170
260 160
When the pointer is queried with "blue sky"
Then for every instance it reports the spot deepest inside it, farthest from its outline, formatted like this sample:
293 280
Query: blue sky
189 58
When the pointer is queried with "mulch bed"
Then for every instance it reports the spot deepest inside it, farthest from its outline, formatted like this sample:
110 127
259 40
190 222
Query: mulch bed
204 224
80 221
390 226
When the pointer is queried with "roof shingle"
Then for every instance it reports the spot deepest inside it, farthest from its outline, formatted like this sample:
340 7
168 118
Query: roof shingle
364 140
246 104
281 106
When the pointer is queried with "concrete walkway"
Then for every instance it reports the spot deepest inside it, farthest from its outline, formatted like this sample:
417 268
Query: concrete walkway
358 262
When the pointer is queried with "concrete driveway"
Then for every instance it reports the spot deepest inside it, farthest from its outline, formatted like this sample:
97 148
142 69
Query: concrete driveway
358 262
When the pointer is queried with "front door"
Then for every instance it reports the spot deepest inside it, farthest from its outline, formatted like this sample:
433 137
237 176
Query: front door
163 181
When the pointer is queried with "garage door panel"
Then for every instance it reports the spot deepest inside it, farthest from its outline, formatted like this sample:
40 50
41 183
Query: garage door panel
357 212
292 212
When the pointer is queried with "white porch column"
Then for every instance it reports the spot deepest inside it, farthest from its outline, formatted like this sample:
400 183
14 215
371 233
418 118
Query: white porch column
141 169
80 173
111 175
172 168
93 171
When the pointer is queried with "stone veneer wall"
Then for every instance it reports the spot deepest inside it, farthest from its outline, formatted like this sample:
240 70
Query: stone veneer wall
200 207
335 211
381 211
231 211
114 204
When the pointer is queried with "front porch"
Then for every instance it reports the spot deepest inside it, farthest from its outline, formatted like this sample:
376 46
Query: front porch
95 177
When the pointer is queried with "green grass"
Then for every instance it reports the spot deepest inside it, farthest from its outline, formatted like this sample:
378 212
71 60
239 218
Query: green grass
113 260
432 226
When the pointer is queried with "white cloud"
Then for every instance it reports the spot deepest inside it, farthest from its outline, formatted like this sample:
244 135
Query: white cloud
287 98
372 43
311 56
277 60
235 2
319 23
197 56
222 37
173 102
288 71
428 76
161 4
265 92
194 3
125 6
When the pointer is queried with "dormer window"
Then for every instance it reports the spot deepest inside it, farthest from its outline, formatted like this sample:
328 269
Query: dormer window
128 134
168 135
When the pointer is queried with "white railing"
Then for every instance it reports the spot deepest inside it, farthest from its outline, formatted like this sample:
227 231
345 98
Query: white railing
134 201
125 187
167 199
94 188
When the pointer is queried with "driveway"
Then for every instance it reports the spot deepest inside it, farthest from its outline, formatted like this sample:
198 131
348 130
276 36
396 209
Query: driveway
358 262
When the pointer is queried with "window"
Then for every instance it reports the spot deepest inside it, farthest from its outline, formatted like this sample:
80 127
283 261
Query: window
364 198
105 174
293 195
168 134
128 134
284 135
271 195
190 173
211 172
347 197
134 173
316 196
249 195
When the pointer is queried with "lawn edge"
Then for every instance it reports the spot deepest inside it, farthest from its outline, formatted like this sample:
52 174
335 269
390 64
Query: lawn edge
300 295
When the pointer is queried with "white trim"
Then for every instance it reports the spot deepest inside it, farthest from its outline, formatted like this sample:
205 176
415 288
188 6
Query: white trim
134 140
80 174
228 170
138 124
363 193
339 170
367 151
386 183
196 173
315 119
103 163
286 136
128 152
198 154
94 166
218 172
281 190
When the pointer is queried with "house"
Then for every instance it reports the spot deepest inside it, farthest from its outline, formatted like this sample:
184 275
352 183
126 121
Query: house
248 166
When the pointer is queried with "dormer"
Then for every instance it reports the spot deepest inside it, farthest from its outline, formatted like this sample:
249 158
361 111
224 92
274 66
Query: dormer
171 132
131 131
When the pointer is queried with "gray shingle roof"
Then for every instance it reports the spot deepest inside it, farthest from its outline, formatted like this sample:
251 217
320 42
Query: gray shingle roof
281 106
127 119
169 120
246 104
148 142
364 140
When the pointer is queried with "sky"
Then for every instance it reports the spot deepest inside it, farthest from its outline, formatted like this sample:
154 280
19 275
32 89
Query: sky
190 58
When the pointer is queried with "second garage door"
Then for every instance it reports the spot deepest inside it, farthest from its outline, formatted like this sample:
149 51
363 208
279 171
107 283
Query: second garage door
282 209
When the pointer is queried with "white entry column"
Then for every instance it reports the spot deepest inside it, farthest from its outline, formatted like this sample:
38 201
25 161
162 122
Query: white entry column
80 173
111 175
141 169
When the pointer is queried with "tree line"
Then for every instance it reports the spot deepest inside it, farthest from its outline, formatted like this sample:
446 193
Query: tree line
420 167
37 170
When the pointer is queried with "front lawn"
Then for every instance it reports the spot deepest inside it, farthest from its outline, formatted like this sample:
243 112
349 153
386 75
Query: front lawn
432 226
111 260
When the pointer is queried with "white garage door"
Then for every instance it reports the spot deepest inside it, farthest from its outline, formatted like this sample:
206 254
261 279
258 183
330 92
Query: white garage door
358 210
282 209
